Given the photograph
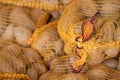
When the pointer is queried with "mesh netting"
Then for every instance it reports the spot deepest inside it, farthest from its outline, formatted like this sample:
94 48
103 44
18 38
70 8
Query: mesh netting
101 72
107 8
112 63
58 76
18 23
97 72
16 59
41 4
87 30
63 64
47 42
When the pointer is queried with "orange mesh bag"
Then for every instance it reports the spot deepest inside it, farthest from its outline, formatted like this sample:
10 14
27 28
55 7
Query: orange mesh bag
16 23
18 65
47 42
93 38
40 17
5 64
34 63
101 72
52 76
33 73
41 4
63 64
73 76
4 12
17 59
107 8
112 63
58 76
12 24
87 7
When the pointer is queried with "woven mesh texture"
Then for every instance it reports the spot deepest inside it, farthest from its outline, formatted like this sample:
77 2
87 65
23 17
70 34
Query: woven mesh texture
41 4
107 8
47 42
100 71
63 64
105 34
58 76
18 23
16 59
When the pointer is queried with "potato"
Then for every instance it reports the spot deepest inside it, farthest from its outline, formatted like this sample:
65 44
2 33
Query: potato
47 42
112 63
40 17
101 72
110 8
19 17
88 7
58 76
63 64
17 59
51 76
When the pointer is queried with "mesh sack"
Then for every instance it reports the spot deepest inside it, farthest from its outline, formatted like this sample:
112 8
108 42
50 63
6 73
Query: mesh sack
13 25
52 76
107 8
87 7
16 59
58 76
112 63
93 39
5 64
73 76
13 76
11 55
40 16
101 72
32 73
47 42
41 4
106 41
16 23
63 64
3 18
34 64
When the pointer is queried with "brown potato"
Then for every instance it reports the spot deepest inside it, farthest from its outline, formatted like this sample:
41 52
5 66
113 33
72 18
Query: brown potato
112 63
47 42
63 64
110 8
88 7
101 72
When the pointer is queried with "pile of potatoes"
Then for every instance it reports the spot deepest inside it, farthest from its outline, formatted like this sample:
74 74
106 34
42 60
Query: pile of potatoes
37 39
